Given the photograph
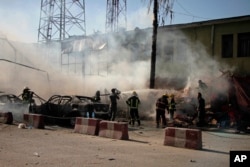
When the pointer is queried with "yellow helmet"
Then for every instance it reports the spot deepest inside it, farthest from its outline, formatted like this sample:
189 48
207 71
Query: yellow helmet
165 95
134 93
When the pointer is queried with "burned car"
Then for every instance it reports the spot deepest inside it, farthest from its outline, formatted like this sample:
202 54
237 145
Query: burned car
63 110
12 103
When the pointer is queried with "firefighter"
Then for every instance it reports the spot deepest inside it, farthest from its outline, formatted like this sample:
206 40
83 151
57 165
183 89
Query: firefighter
201 110
97 96
133 103
27 95
161 106
172 107
113 102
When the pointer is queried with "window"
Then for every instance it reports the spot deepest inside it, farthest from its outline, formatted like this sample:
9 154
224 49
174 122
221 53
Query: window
244 44
227 46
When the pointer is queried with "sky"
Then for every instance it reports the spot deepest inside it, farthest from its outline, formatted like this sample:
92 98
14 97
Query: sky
20 18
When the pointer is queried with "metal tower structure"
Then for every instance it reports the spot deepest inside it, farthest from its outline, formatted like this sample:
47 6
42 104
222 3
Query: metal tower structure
116 15
60 19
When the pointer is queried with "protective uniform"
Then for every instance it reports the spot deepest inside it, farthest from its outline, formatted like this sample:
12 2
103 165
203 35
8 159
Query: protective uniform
161 106
133 103
27 95
172 107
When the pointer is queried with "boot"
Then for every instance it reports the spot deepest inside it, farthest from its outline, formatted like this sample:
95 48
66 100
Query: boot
157 126
139 123
133 122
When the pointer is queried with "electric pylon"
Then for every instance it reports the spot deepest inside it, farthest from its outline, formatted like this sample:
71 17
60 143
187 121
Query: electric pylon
60 19
116 19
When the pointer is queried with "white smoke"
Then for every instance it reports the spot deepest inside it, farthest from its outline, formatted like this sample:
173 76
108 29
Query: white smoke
123 63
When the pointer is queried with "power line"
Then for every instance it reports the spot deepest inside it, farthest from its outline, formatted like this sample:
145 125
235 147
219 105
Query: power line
190 15
187 12
183 8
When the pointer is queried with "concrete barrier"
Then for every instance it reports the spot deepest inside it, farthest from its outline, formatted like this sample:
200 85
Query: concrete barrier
34 120
88 126
114 130
6 117
183 137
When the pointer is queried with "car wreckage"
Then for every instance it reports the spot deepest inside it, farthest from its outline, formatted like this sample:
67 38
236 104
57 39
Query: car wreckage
63 109
12 103
58 109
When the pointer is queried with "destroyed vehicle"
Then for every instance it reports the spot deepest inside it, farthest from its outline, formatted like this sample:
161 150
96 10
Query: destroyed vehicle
63 110
9 99
14 104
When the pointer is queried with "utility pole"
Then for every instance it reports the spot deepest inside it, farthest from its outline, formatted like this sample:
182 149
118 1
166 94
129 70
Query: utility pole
160 9
60 19
154 42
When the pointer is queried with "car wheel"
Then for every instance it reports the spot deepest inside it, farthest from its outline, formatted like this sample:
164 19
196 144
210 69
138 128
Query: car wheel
73 116
73 121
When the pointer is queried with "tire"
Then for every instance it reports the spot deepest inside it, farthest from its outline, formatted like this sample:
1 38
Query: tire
73 116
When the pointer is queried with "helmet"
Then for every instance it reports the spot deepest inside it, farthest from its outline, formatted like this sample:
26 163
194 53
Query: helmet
134 93
113 90
165 95
26 88
98 93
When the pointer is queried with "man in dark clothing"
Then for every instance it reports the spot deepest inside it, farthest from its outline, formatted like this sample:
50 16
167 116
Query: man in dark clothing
113 102
97 96
27 95
133 103
201 110
161 106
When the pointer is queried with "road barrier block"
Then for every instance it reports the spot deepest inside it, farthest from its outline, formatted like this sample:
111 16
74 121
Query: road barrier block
6 117
34 120
183 137
114 130
88 126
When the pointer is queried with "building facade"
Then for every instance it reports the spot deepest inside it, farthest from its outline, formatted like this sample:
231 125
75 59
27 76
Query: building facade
226 41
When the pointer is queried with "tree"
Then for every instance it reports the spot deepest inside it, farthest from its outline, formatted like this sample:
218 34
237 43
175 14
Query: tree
166 7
